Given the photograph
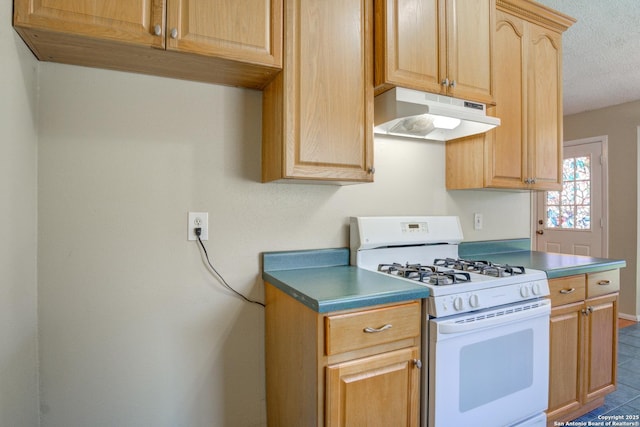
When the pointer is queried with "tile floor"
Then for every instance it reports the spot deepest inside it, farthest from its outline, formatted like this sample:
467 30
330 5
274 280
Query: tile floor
626 399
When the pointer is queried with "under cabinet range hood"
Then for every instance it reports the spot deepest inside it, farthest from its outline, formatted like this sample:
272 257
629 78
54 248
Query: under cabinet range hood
415 114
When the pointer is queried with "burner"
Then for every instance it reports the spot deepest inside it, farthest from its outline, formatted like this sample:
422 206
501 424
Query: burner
478 266
450 277
425 273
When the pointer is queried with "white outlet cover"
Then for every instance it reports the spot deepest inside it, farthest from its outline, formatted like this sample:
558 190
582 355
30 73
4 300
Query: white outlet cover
477 221
198 219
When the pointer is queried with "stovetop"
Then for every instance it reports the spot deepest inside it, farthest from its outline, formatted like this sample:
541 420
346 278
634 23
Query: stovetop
424 250
450 275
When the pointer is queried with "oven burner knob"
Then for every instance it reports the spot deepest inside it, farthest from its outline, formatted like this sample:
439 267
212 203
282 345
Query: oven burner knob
474 301
458 303
536 289
524 291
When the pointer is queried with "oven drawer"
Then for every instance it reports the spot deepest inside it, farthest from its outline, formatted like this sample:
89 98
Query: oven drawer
361 329
604 282
565 290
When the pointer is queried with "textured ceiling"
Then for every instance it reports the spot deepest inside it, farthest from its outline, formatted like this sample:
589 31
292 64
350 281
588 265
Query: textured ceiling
601 60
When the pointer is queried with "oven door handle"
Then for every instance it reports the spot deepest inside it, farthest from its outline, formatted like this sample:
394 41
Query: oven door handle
482 321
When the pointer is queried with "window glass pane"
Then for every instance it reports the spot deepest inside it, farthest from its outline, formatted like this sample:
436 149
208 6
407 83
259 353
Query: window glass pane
568 169
568 193
571 208
583 167
583 193
567 217
553 198
553 217
583 217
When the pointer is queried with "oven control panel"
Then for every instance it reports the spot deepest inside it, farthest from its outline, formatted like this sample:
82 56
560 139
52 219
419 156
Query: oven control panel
415 227
464 302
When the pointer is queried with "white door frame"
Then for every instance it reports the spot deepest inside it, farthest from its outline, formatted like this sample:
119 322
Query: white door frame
604 142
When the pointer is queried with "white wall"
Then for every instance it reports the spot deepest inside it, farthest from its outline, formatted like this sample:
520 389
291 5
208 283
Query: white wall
620 124
18 296
134 330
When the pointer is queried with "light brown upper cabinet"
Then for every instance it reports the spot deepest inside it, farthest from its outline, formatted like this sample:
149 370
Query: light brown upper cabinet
317 114
438 46
219 41
525 151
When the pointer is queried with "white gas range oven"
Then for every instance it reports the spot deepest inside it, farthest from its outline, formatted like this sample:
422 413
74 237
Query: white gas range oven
485 326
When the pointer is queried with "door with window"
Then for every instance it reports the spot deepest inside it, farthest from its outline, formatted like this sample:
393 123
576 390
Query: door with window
574 220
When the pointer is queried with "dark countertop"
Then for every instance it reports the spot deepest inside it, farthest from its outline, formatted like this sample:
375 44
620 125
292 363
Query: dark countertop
554 264
324 281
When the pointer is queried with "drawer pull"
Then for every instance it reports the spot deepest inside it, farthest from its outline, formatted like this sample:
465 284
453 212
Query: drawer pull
370 330
567 291
604 282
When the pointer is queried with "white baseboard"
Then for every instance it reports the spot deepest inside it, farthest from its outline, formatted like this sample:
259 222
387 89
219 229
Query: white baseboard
629 317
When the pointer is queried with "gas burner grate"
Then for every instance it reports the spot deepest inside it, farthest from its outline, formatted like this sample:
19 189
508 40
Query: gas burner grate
481 267
425 273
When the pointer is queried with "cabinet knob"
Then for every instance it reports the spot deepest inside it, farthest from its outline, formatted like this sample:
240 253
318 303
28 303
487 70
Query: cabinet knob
417 363
371 170
587 311
452 84
445 82
174 33
541 232
157 30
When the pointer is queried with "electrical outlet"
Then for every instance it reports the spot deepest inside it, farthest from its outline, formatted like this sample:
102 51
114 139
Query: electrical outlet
198 219
477 221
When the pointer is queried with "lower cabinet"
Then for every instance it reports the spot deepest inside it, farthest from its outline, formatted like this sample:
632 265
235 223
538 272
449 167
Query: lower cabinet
353 367
380 390
583 346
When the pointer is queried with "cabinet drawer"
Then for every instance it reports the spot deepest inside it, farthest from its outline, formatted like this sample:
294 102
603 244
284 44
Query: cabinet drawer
604 282
353 331
565 290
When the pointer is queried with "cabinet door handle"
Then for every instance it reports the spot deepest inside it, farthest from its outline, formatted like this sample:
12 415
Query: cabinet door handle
174 33
445 82
567 291
371 330
587 311
604 282
157 30
452 84
417 363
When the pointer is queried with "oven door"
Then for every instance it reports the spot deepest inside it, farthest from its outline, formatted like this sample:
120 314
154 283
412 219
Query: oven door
489 368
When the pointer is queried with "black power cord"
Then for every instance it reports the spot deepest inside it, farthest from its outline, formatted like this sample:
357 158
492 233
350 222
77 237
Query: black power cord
198 232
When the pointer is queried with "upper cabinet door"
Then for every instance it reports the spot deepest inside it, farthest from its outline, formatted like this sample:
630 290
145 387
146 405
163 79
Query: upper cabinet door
125 21
246 30
407 45
318 112
545 108
507 161
469 44
438 46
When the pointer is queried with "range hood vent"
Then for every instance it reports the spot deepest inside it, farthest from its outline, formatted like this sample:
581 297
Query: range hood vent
415 114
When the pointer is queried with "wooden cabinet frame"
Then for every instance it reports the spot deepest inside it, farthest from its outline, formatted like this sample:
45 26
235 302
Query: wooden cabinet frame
525 151
310 385
210 45
317 114
583 349
438 46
